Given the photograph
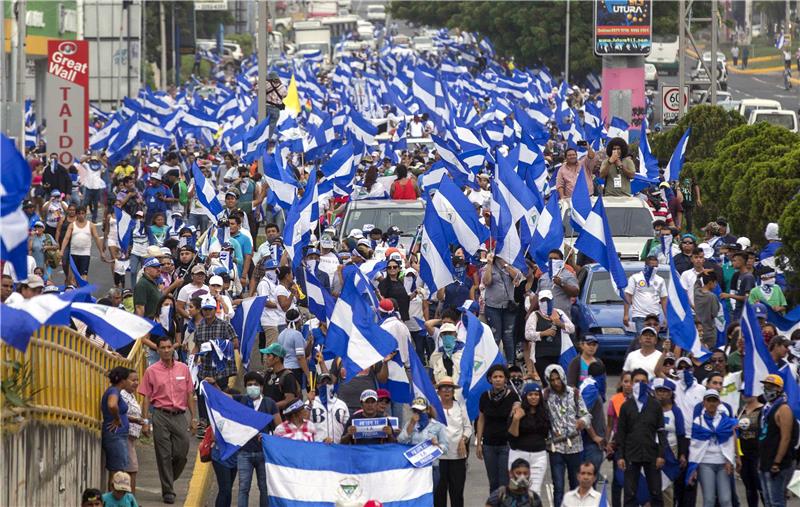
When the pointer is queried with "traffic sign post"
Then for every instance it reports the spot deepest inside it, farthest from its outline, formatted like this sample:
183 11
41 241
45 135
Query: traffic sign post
671 104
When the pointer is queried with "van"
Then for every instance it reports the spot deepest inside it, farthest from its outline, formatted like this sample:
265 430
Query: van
747 106
664 54
781 118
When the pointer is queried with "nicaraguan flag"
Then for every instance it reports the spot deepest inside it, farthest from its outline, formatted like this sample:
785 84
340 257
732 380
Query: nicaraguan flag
361 128
786 324
125 224
568 352
458 214
673 170
648 164
596 241
431 180
618 128
548 233
780 41
435 265
680 318
320 301
246 322
757 362
206 193
114 326
300 220
234 423
15 182
422 385
19 322
281 184
353 333
301 474
581 203
480 353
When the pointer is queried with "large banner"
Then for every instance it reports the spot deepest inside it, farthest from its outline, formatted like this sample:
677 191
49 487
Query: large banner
67 99
623 27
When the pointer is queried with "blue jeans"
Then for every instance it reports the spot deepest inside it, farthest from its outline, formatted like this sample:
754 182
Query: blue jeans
199 222
593 454
495 459
135 263
91 199
225 478
639 323
774 486
716 484
247 461
501 321
559 463
436 476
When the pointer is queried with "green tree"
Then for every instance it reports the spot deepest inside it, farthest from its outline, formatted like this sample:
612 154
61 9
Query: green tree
709 125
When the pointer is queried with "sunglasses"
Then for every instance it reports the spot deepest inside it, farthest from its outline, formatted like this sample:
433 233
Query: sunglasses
688 242
393 267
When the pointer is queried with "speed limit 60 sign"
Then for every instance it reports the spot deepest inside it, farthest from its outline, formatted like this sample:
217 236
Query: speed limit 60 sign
671 103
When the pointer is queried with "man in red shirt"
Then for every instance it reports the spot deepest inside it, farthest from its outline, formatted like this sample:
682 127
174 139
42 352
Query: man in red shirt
168 392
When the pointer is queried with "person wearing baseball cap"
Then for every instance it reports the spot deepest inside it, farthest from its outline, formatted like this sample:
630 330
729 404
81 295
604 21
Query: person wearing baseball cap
422 426
445 361
328 413
369 410
713 448
544 331
296 424
120 493
222 333
647 356
147 294
675 429
774 446
282 386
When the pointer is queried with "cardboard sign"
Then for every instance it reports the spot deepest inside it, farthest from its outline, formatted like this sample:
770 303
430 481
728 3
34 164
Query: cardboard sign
373 428
422 455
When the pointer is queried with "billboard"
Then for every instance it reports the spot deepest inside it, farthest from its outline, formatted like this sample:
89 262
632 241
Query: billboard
67 99
623 27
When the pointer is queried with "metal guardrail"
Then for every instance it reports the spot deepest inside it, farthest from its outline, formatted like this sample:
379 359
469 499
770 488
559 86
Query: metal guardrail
69 373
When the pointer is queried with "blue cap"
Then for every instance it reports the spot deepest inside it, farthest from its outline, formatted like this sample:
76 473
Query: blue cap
271 264
294 407
761 310
662 383
531 387
152 262
312 251
470 305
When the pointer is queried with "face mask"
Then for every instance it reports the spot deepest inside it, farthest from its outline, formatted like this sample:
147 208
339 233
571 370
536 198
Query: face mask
648 272
688 377
393 240
373 243
272 275
312 265
325 394
424 419
767 282
517 383
770 394
548 306
253 392
519 483
448 343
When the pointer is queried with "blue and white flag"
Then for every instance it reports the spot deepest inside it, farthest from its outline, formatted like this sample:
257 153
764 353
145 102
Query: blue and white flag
114 326
435 264
480 353
125 224
256 143
673 170
301 220
20 322
361 128
15 182
780 41
353 333
246 323
422 385
320 301
548 234
302 474
567 352
79 280
206 194
757 362
618 128
458 214
680 318
596 242
234 423
581 203
648 163
786 324
282 185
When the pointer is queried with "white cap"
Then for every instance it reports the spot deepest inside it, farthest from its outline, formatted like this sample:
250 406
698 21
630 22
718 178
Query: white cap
546 294
356 233
708 252
744 242
215 280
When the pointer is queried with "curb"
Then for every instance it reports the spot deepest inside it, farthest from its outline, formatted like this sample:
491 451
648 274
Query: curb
199 484
776 58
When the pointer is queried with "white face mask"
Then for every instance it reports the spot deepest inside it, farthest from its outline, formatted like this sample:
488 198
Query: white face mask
312 265
768 281
271 275
163 318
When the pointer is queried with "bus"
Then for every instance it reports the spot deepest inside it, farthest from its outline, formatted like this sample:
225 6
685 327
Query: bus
341 27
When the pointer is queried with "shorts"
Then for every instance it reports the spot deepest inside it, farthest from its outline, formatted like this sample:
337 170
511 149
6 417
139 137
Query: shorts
133 460
115 446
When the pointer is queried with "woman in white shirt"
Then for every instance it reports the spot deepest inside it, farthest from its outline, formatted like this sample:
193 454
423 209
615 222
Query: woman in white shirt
713 448
453 464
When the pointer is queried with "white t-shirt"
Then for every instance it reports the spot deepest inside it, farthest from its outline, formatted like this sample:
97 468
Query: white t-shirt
8 269
187 290
93 179
646 298
638 360
670 428
270 317
688 278
415 129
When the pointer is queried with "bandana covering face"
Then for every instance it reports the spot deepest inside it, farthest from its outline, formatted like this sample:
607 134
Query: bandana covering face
648 273
641 393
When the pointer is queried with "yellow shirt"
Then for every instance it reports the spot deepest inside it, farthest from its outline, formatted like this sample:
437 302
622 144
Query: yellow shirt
122 171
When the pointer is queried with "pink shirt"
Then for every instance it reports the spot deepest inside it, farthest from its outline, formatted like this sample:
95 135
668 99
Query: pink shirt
567 176
167 388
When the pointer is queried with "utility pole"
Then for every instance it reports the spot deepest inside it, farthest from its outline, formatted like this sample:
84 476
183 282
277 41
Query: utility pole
263 41
787 23
128 9
22 16
162 21
681 54
3 70
566 50
714 41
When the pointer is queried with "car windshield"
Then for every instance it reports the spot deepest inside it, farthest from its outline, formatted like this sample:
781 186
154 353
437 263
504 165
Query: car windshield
405 218
781 120
601 290
624 222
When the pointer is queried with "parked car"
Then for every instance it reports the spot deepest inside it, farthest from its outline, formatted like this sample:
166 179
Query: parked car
781 118
599 309
747 106
384 213
701 81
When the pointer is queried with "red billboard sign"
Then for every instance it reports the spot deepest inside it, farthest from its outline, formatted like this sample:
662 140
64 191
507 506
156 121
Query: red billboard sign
67 99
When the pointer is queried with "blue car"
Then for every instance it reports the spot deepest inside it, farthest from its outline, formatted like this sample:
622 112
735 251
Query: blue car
599 309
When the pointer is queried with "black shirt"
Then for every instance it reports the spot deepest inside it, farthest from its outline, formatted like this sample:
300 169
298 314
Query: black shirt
636 432
396 289
280 383
533 429
495 417
768 440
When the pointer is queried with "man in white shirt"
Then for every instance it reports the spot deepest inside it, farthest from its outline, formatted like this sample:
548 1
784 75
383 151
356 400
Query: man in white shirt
689 277
645 294
28 288
688 392
646 357
584 495
198 283
273 316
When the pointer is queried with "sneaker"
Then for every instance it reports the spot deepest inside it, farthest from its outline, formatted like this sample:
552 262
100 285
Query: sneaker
169 498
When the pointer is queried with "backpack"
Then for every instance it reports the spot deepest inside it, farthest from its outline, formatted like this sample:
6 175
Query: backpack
52 257
533 499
